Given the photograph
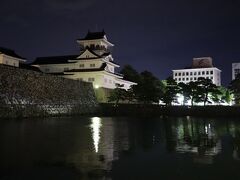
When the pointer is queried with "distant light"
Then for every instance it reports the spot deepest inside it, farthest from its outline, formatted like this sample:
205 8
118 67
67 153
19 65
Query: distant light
96 130
96 86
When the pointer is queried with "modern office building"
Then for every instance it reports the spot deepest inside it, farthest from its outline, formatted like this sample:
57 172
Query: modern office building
235 70
201 67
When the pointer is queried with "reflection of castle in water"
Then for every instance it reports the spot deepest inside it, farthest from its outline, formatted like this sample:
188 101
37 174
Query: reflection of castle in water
106 139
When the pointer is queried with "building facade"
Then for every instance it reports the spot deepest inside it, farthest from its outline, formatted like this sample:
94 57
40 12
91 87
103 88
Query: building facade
94 63
10 58
235 70
201 67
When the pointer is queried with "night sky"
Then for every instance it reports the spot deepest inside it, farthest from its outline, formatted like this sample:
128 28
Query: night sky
154 35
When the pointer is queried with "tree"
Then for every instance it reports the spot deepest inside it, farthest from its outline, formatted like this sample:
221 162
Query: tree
235 88
170 92
191 91
149 88
117 94
130 74
206 87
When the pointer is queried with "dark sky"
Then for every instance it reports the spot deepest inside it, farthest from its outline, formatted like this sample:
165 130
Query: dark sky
156 35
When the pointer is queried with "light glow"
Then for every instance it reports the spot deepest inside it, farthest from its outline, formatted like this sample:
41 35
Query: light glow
96 86
96 124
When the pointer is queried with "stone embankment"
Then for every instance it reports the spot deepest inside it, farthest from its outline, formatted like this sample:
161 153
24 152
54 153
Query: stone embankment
28 93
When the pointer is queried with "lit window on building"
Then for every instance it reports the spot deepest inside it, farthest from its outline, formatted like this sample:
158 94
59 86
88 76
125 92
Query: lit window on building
236 72
91 79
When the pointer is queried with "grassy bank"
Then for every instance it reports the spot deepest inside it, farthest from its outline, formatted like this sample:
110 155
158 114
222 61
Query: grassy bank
157 110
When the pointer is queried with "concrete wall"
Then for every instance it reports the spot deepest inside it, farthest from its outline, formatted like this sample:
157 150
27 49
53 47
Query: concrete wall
29 93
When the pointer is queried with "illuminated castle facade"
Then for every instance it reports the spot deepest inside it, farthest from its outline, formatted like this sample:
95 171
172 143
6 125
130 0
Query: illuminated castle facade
94 63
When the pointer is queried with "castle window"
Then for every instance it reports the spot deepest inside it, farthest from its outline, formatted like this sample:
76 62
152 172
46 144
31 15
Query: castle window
97 47
91 79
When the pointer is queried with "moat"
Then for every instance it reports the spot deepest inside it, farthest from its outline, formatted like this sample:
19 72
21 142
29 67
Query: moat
120 148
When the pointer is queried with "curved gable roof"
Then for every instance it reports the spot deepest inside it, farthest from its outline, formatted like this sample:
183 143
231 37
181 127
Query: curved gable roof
54 59
94 35
9 52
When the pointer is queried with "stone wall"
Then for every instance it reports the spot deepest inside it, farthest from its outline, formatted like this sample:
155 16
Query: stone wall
27 93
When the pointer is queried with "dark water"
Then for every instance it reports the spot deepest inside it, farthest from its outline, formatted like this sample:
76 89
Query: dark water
120 148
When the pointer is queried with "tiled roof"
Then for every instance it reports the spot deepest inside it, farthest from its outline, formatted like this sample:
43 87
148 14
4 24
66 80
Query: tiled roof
54 59
94 35
29 67
9 52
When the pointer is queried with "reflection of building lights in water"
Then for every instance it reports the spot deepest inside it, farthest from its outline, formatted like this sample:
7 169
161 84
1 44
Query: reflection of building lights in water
96 124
